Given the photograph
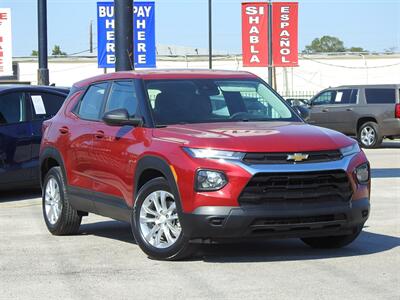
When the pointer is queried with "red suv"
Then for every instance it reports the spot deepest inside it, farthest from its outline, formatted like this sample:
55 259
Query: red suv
189 157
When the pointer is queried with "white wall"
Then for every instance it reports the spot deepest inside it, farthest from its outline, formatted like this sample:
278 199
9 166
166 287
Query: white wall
313 74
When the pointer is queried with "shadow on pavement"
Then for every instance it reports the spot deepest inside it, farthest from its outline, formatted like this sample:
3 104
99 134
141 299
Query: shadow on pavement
293 249
19 195
261 251
109 229
388 144
385 172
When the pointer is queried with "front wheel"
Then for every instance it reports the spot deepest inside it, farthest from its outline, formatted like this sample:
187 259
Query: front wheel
331 242
155 222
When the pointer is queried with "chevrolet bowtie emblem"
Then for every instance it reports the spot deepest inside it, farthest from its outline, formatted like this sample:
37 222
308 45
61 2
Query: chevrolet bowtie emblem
297 157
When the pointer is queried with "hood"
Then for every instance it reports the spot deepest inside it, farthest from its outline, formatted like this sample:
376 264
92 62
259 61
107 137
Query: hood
254 136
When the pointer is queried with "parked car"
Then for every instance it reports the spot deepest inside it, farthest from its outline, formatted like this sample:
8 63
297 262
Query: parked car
369 112
159 150
22 110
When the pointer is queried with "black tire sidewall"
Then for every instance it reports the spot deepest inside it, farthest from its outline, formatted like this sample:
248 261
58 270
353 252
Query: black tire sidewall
170 253
378 138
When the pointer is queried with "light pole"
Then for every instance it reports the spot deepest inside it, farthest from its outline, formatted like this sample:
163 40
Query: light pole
123 35
270 43
43 71
210 34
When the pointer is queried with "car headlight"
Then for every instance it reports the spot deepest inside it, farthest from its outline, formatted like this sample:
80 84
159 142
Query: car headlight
362 173
350 150
208 180
215 154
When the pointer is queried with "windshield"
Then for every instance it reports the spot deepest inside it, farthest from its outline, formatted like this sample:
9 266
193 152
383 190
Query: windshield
214 100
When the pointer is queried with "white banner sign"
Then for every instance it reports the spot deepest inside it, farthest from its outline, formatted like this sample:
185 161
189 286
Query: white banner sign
5 43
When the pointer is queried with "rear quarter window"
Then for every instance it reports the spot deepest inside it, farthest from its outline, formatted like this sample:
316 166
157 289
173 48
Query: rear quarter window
380 96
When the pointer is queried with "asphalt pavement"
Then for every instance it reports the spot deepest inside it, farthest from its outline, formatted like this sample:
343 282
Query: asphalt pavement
103 261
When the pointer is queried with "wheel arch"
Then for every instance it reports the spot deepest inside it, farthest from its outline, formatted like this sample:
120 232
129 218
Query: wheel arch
50 157
365 119
150 167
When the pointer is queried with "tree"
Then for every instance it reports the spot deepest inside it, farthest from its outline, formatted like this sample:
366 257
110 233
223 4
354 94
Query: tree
34 53
356 49
325 44
57 51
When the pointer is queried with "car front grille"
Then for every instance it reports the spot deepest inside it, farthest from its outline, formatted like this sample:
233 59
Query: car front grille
282 157
297 188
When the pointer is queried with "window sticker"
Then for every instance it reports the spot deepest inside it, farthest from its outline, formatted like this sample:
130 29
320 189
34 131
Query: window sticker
339 97
38 105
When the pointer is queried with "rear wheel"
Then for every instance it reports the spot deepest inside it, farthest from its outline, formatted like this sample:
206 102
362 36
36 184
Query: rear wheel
155 222
60 217
369 136
331 242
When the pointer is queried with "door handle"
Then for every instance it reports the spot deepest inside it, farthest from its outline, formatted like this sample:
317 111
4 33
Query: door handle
325 110
349 109
99 134
64 130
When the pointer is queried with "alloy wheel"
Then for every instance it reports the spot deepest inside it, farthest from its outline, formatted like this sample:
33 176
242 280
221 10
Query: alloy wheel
159 222
368 136
52 200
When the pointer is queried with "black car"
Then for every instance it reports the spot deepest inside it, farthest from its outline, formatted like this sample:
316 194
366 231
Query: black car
22 111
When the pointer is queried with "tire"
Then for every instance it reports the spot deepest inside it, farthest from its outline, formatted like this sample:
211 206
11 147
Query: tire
369 136
163 238
60 217
332 242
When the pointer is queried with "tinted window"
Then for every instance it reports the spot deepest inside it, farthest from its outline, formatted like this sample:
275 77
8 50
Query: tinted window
212 100
45 105
345 96
122 95
12 108
378 96
90 105
324 98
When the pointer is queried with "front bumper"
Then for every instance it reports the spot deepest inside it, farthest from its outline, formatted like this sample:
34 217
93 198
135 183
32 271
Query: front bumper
218 223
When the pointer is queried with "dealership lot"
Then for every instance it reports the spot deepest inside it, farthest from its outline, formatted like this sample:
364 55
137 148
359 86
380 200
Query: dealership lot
104 262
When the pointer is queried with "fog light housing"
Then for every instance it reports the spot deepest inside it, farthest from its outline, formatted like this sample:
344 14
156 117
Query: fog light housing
209 180
362 173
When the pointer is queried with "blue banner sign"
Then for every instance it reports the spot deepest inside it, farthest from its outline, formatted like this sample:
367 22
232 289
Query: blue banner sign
144 42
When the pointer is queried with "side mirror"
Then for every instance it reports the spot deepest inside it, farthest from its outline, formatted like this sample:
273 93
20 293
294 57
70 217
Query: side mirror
120 117
303 111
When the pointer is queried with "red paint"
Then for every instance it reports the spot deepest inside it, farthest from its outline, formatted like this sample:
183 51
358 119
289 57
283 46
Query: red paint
285 34
255 34
106 164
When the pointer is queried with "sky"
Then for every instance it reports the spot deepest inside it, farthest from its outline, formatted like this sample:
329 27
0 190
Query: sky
371 24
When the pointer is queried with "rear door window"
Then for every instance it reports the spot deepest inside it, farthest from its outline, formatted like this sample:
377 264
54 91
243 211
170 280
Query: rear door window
347 96
380 96
12 108
45 105
90 105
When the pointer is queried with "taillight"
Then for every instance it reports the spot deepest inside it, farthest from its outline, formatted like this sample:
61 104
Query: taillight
397 111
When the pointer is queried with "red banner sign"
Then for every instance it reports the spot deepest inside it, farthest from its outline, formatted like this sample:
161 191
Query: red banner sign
255 34
284 34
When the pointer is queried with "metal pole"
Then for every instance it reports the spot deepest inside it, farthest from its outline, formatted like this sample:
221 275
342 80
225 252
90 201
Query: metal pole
91 37
123 35
210 54
270 73
365 64
43 71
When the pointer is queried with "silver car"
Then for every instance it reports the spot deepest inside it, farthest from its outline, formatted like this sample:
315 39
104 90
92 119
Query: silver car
369 112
